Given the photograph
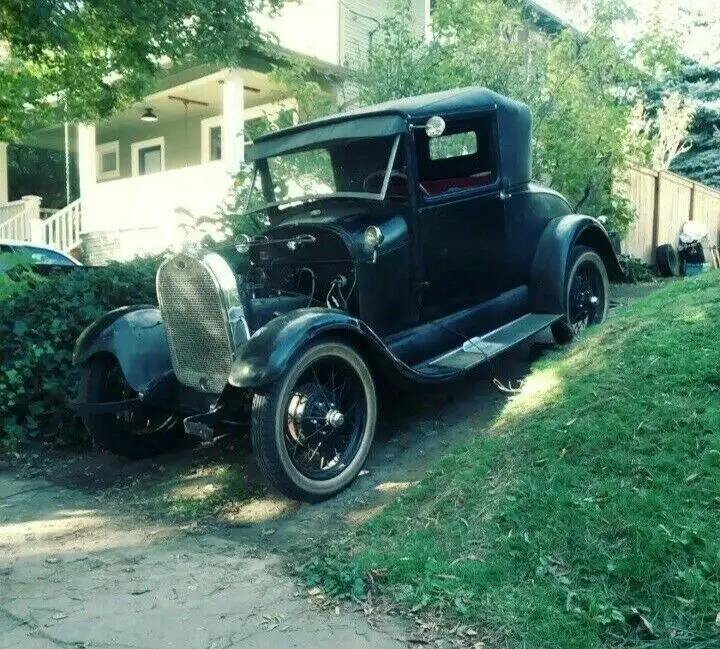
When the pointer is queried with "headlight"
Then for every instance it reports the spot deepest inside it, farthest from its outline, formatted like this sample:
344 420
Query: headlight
243 243
373 237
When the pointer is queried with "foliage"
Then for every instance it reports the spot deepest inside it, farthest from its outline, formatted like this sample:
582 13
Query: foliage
586 517
15 276
39 327
673 121
698 83
636 270
41 172
81 60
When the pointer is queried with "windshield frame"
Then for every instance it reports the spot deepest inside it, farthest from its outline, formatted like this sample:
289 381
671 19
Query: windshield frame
379 196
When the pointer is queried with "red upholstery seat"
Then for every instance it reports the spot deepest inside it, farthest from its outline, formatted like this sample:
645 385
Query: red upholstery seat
397 188
434 187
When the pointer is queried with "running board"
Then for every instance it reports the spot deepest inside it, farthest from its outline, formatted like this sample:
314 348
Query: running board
480 349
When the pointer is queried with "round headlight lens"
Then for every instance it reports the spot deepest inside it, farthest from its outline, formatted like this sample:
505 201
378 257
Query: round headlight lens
373 237
243 243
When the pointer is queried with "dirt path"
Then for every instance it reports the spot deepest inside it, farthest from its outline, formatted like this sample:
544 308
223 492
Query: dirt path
77 575
88 560
188 550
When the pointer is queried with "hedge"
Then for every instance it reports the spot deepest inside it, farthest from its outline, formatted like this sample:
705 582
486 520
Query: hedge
38 329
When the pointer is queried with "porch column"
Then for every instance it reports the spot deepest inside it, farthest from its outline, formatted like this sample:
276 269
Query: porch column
34 231
233 122
3 173
87 173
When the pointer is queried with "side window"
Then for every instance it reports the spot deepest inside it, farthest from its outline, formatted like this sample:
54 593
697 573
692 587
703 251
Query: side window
464 157
41 256
453 146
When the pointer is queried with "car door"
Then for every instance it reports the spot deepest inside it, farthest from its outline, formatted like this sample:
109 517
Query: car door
461 217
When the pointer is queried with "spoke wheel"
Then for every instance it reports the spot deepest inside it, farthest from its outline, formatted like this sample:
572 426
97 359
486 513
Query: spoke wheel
586 296
137 432
312 430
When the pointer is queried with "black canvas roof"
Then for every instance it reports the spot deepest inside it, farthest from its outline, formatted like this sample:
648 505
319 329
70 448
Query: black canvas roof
392 117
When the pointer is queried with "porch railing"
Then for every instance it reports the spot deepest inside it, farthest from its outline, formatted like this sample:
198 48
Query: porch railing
61 229
14 221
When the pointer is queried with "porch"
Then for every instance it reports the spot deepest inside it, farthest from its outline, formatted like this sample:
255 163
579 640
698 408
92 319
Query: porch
149 172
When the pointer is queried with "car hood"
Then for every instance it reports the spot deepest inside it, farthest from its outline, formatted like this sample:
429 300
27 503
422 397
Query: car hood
348 220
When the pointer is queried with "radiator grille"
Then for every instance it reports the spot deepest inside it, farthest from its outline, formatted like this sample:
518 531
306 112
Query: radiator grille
196 323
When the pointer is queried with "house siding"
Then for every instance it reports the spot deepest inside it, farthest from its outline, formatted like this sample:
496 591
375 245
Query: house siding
182 149
336 31
359 24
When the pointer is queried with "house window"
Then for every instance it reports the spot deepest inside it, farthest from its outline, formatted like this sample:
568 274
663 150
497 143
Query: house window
148 157
211 139
216 143
108 160
464 158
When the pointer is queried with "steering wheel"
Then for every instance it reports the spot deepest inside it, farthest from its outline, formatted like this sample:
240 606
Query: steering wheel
379 175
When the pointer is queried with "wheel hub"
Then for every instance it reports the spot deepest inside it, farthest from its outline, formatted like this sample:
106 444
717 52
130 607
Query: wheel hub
334 418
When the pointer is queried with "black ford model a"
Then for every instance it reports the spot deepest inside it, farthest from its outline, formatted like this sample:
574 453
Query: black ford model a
405 243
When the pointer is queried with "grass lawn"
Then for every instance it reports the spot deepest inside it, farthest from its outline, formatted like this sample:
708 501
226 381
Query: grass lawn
589 514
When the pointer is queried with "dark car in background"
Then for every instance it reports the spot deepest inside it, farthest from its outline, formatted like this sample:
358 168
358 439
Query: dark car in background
406 244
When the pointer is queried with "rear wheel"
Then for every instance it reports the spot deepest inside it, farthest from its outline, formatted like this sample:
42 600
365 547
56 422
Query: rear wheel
138 432
312 430
586 295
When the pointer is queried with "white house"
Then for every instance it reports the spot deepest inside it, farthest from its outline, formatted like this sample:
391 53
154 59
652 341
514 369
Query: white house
176 150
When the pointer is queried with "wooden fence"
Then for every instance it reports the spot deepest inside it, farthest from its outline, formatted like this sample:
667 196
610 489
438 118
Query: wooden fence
664 201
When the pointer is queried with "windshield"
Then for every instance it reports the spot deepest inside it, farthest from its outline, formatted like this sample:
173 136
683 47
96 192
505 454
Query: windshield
355 168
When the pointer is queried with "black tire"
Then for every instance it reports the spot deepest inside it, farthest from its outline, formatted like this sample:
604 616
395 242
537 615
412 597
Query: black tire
586 280
667 260
124 433
278 431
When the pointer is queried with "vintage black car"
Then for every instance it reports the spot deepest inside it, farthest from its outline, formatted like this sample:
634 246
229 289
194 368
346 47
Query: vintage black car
406 244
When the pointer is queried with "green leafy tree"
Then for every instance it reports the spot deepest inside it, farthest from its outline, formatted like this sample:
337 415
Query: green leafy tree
698 83
84 59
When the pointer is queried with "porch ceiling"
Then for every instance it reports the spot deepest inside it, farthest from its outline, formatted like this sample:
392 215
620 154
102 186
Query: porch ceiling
206 89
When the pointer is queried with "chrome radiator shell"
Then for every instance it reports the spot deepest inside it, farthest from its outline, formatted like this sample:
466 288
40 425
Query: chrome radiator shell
204 318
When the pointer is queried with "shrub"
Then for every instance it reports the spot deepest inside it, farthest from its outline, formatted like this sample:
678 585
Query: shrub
15 276
38 329
636 270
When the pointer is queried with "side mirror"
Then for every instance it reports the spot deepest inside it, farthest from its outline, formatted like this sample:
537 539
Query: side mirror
434 127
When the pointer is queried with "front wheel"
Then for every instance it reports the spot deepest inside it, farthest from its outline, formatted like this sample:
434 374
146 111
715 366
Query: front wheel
312 430
138 432
586 295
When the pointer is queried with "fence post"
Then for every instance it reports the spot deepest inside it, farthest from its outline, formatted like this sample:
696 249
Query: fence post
34 228
656 215
691 217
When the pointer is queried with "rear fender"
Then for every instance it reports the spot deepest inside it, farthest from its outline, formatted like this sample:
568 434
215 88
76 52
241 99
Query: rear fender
136 337
267 355
551 262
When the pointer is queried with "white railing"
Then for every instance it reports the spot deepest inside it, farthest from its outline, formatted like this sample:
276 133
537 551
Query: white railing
60 230
46 212
16 227
15 221
10 212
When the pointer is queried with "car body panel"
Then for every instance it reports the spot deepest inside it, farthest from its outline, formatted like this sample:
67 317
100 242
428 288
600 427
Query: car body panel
136 337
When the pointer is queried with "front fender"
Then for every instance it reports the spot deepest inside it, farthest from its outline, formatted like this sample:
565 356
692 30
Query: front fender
551 261
136 337
266 356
